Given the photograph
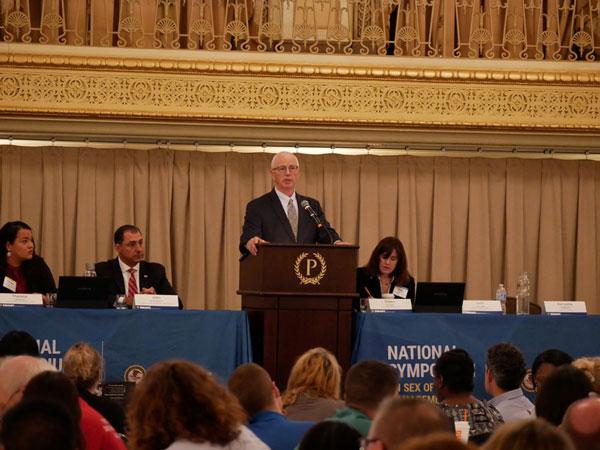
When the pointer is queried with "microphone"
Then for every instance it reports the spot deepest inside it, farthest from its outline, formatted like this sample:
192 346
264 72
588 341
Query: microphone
311 212
315 217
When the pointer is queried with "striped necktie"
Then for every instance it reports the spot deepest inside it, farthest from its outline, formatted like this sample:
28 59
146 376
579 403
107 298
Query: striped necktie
131 285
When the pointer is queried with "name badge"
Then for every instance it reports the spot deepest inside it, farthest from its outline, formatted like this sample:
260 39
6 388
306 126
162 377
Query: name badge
389 304
400 291
481 307
9 284
21 300
558 308
149 301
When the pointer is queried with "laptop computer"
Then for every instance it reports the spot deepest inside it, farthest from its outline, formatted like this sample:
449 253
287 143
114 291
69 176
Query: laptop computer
446 297
84 292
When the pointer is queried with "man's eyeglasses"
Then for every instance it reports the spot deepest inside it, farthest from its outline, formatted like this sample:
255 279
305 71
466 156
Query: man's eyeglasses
283 169
364 442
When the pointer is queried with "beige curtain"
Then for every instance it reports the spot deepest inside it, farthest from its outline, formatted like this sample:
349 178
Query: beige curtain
477 220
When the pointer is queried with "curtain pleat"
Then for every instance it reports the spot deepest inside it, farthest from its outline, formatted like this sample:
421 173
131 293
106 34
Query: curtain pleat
478 220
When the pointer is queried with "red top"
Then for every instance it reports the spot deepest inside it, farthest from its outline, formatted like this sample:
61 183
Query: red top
98 433
16 273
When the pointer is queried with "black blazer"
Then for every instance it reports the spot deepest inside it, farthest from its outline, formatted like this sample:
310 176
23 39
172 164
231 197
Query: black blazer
266 218
37 275
151 275
364 281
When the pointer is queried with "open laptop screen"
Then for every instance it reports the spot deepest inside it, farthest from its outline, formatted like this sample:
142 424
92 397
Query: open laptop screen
439 297
83 292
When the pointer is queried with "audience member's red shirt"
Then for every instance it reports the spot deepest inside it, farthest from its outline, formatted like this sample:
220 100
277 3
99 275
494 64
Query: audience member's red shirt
98 433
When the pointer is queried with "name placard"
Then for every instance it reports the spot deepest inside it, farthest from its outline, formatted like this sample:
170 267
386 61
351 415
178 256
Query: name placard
389 304
21 300
556 308
481 307
149 301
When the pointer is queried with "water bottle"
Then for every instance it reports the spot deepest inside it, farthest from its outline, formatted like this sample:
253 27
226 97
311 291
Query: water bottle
501 297
90 270
523 294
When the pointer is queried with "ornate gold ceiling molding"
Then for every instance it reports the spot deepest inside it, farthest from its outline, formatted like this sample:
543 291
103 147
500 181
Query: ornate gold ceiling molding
298 89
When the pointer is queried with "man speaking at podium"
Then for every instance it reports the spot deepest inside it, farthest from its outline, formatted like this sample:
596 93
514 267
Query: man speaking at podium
283 216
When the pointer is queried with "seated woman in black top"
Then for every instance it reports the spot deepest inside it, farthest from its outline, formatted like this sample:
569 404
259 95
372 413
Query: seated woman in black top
21 270
386 272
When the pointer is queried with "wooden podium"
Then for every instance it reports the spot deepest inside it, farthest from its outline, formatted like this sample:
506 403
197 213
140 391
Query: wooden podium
298 297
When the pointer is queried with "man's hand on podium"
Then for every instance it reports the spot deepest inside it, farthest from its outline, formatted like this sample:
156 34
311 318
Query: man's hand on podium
340 242
252 244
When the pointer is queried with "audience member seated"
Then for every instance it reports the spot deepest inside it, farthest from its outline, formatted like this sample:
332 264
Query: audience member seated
313 387
453 375
386 272
582 423
330 435
261 400
367 384
504 373
129 273
39 425
16 342
84 366
591 367
97 433
436 441
545 363
15 373
528 434
21 270
400 419
565 385
180 406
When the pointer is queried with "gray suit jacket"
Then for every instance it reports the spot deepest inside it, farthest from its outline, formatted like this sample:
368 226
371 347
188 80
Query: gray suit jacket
266 218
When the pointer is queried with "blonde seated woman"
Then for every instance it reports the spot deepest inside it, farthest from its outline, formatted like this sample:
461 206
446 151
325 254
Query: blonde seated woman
313 388
84 366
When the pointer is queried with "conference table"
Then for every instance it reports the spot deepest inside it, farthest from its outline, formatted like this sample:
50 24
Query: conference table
411 342
132 340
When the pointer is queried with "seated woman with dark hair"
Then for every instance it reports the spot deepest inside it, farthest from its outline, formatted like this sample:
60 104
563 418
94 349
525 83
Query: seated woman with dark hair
21 270
453 375
180 406
386 272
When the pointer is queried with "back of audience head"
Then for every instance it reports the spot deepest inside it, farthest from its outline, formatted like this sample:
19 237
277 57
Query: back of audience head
436 441
15 373
367 384
399 419
58 388
253 387
330 435
83 364
546 362
39 425
505 367
453 373
199 408
529 434
316 373
582 423
565 385
591 367
18 342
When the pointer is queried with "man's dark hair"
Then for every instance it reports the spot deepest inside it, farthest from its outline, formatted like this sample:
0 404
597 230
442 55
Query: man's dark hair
18 342
507 365
252 386
120 232
368 383
456 368
564 386
551 356
39 425
330 434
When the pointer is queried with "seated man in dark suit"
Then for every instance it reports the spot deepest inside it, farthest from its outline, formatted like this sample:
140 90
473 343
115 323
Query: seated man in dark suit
129 272
284 216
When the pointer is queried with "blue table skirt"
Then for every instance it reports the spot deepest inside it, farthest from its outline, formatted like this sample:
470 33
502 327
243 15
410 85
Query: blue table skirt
217 340
412 342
